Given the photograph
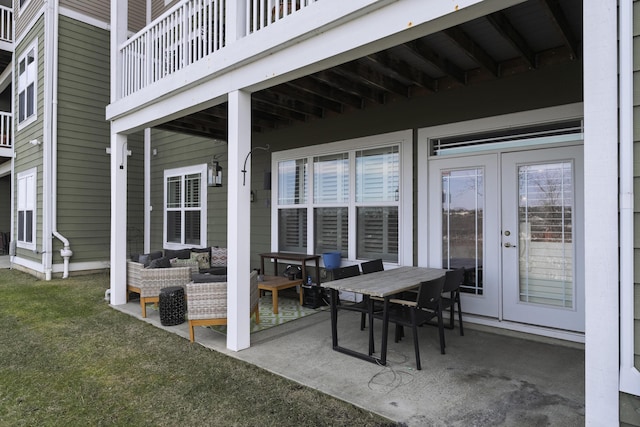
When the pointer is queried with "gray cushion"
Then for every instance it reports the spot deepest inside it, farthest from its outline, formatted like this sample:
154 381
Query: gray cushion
208 278
163 262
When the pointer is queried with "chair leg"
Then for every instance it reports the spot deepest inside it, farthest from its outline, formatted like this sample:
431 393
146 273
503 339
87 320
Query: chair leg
452 310
441 331
415 339
143 306
192 335
460 316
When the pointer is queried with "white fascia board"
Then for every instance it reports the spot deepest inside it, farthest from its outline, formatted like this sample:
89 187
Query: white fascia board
327 37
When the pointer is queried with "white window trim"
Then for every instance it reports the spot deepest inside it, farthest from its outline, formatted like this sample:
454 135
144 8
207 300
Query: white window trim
189 170
21 125
404 139
23 7
425 135
34 192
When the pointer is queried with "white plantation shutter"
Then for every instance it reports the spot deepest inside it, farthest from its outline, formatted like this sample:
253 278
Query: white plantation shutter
184 209
292 230
332 230
377 175
292 182
370 212
331 179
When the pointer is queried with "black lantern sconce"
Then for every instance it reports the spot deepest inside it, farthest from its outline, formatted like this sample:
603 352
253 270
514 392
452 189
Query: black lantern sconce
214 174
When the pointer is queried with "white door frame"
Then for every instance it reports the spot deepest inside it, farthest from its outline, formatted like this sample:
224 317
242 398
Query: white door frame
528 118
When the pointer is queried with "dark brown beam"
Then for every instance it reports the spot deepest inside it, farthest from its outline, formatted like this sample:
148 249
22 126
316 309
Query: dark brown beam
325 91
429 56
272 97
309 98
472 50
403 70
350 85
357 69
557 16
500 22
277 111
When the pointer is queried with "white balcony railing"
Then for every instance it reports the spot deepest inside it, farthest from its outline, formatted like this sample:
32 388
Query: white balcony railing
6 130
6 24
189 32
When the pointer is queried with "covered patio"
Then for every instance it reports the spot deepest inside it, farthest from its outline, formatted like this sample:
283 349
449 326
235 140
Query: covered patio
487 378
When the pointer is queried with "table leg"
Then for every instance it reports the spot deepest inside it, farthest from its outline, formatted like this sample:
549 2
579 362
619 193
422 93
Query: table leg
385 331
301 295
317 272
334 318
370 312
274 298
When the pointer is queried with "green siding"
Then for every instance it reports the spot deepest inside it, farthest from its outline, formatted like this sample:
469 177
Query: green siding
174 151
83 134
29 156
135 194
630 405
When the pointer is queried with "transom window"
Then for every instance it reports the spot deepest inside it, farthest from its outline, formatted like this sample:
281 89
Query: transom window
27 82
348 200
185 202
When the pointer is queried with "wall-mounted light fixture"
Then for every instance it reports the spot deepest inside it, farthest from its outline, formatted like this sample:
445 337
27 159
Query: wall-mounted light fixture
214 174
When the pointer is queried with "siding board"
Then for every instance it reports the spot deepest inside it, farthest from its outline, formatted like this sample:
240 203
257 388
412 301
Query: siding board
83 133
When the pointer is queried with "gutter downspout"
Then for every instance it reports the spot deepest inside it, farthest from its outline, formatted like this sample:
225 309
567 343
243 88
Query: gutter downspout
629 374
52 133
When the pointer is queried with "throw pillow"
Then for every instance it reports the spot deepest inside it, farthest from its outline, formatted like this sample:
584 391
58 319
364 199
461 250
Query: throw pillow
218 257
180 253
144 259
202 258
162 262
155 255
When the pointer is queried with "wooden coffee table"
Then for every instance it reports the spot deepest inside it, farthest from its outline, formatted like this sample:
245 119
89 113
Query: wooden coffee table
275 284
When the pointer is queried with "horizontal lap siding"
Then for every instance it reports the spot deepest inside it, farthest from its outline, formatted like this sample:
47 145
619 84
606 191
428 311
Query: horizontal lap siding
83 135
5 204
176 151
24 17
158 7
630 405
30 156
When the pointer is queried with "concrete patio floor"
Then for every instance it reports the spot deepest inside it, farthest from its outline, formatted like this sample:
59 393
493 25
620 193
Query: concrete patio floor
485 379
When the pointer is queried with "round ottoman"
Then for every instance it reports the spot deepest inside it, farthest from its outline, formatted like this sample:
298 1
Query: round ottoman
172 306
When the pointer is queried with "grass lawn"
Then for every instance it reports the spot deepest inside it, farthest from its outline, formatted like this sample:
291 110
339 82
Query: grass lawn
68 359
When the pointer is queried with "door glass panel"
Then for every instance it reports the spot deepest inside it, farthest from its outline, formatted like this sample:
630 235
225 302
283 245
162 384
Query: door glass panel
545 217
462 224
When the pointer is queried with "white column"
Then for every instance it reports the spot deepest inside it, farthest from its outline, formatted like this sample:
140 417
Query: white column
119 156
238 222
236 12
147 190
601 213
119 18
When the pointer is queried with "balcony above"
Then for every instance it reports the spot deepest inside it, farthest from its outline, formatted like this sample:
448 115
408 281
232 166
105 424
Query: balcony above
311 59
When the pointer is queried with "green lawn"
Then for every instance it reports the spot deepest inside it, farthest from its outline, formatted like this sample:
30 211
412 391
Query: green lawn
68 359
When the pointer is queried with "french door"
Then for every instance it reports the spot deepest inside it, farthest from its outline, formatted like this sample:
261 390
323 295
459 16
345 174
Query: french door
514 221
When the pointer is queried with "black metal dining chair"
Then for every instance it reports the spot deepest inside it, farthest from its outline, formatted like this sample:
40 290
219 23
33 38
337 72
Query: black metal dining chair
371 266
451 296
426 307
362 306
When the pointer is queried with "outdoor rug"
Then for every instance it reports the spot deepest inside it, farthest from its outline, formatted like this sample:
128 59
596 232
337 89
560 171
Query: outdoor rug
289 309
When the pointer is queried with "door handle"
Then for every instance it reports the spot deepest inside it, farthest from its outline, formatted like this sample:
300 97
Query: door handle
509 245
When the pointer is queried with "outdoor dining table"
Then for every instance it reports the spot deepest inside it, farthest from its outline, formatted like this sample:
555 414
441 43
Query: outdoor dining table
381 284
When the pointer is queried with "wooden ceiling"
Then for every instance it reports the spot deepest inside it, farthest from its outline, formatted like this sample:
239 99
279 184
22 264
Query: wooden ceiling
530 36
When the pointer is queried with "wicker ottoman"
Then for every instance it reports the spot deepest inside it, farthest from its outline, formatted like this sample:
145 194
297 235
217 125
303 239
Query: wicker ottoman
172 306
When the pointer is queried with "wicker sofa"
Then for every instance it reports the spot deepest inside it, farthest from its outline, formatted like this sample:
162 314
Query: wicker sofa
207 303
148 281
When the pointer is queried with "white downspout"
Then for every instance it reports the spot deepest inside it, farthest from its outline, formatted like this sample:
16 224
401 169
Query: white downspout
65 252
629 374
47 151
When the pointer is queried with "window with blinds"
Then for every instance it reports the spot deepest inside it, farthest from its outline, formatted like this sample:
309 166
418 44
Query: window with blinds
353 192
185 207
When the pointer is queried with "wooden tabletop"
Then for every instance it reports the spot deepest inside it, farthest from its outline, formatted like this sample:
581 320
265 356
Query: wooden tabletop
387 282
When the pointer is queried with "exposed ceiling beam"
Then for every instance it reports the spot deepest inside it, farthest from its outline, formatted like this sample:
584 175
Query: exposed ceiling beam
500 22
557 16
472 50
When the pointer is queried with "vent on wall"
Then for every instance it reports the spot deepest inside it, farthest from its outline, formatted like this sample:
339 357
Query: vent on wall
548 133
